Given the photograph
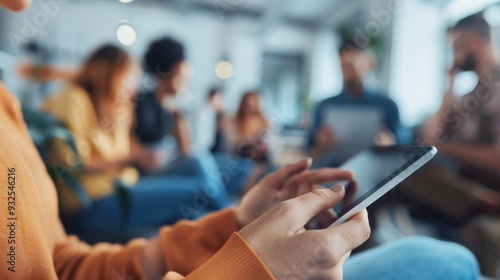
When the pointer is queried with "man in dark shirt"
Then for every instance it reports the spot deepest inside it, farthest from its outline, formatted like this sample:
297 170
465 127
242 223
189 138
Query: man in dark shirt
355 64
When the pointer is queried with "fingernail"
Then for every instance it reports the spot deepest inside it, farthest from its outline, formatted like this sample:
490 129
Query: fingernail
309 161
337 188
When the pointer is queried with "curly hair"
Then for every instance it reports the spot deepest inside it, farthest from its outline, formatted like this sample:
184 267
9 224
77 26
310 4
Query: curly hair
162 55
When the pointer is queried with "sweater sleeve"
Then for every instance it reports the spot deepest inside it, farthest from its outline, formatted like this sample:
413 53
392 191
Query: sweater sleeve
189 244
186 245
76 260
236 260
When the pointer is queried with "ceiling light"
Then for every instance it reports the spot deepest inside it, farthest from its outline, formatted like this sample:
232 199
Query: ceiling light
224 70
126 34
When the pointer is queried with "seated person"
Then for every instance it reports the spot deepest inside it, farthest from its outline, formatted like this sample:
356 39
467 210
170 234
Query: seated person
210 136
162 124
97 110
209 248
466 131
248 129
355 64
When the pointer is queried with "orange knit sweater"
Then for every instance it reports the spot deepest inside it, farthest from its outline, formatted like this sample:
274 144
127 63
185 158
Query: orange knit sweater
34 245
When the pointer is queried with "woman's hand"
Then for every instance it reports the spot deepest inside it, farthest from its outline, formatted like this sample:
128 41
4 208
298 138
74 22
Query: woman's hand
145 158
290 252
288 182
151 160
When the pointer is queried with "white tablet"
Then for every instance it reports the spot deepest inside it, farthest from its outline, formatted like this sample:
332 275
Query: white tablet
377 171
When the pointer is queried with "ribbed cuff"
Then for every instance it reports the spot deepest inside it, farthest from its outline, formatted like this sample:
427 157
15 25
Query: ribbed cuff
189 244
236 260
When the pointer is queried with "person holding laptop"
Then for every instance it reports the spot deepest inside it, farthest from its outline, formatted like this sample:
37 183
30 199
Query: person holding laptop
249 241
355 63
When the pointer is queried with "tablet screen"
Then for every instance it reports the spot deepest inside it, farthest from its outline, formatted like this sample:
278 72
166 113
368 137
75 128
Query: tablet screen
373 169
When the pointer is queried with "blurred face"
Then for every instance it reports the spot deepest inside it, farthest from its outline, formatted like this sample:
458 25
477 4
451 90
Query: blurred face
15 5
465 46
217 102
252 104
179 77
355 65
129 83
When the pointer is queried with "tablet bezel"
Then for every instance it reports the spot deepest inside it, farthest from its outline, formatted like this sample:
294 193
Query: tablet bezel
410 166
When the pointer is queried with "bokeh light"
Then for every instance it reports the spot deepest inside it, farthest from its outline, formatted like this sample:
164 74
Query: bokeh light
126 35
224 70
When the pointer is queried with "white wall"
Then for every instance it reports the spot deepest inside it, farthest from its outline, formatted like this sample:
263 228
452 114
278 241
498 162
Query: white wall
8 67
418 63
326 76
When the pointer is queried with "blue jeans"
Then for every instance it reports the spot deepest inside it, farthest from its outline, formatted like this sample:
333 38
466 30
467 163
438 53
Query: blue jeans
419 258
224 170
150 204
234 172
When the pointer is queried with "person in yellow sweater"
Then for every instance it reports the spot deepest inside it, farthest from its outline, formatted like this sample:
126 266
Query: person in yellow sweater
245 242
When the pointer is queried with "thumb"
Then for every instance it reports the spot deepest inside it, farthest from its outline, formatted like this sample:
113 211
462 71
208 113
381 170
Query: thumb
307 206
173 276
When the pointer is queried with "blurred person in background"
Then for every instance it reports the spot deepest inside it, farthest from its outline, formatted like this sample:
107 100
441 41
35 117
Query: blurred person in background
217 103
466 131
211 123
98 110
210 127
162 122
355 63
248 129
